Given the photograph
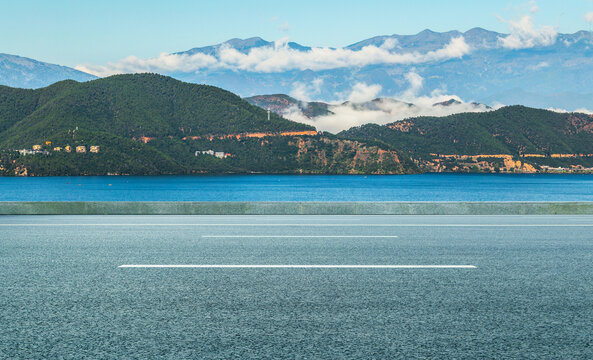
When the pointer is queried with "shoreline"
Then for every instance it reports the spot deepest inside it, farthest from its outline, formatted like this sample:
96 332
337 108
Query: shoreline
301 174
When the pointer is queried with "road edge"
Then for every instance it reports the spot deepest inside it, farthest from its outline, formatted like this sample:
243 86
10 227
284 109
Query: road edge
294 208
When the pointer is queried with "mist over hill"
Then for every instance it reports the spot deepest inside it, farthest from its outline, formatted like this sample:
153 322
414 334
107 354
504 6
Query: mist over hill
345 115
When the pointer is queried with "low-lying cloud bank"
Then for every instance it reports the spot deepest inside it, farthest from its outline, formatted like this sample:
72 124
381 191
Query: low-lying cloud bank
362 108
564 111
278 58
382 111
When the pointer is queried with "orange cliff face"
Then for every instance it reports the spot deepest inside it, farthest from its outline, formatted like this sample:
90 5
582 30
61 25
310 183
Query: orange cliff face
256 135
570 155
474 157
508 161
529 168
146 139
506 156
286 133
511 164
299 133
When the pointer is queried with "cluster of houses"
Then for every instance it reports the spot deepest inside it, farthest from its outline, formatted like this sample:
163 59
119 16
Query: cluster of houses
218 154
38 149
571 169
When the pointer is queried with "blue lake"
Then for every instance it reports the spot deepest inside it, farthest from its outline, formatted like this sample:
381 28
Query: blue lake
426 187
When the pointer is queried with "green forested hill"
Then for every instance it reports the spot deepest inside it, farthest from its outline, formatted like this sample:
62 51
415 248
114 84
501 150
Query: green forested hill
517 138
151 124
510 130
117 112
129 106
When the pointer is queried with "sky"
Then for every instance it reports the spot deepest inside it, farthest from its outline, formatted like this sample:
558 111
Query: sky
73 32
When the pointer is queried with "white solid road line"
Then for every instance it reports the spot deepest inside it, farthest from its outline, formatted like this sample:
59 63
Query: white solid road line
300 236
311 225
206 266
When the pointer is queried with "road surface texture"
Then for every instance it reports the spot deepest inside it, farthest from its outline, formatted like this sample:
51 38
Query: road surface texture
305 287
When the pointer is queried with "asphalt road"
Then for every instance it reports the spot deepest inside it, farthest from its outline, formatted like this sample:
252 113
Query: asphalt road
296 287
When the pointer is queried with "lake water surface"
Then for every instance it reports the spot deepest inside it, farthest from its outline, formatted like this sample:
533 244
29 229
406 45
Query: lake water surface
426 187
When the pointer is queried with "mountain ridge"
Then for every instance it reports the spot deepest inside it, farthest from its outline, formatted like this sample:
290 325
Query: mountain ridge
22 72
486 73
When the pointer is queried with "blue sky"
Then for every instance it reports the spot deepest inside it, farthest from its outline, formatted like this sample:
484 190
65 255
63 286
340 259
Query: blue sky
72 32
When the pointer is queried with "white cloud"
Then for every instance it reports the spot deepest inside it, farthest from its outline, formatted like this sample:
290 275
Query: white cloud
524 34
584 111
305 92
589 17
362 92
280 57
389 44
416 83
317 84
300 91
563 111
386 110
164 63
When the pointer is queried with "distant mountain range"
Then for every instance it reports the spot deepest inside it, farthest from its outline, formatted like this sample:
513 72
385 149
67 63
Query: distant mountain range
554 75
27 73
476 65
